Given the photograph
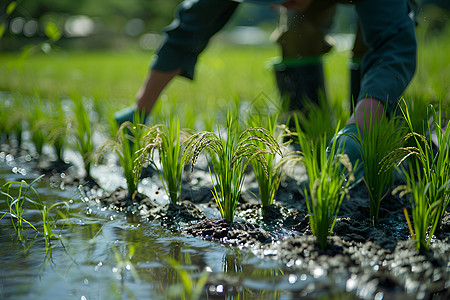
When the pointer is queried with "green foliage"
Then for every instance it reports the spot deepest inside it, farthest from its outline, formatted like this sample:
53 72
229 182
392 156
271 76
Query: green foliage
52 32
268 180
12 117
167 140
17 194
9 10
82 133
327 183
231 157
320 120
431 192
36 116
126 144
49 222
58 128
376 143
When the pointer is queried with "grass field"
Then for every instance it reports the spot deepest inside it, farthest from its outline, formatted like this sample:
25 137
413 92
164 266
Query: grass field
224 73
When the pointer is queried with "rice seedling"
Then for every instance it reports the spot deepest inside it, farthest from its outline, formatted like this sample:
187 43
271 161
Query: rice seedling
321 118
376 143
56 124
35 117
167 140
230 157
126 145
422 212
16 203
82 133
268 180
328 183
431 194
11 118
49 223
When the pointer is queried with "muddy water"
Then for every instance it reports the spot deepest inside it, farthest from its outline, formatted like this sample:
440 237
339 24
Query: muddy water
105 254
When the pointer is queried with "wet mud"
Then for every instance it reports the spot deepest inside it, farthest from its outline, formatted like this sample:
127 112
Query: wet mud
366 261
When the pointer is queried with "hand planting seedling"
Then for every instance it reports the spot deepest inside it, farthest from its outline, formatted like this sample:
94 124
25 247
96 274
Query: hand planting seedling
233 154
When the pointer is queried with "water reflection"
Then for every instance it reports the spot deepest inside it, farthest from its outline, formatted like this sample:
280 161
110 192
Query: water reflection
105 254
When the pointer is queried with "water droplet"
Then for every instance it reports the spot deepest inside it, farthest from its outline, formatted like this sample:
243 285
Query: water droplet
292 278
318 272
379 296
219 288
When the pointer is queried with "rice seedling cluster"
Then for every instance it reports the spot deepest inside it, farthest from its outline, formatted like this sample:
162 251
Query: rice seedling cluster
268 179
126 144
22 198
329 177
427 176
71 122
167 139
231 151
230 156
377 142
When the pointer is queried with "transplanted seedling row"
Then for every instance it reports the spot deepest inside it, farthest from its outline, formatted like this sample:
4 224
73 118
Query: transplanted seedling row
231 150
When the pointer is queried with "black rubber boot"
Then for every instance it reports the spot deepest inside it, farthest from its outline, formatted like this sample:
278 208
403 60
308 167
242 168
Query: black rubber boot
300 85
355 83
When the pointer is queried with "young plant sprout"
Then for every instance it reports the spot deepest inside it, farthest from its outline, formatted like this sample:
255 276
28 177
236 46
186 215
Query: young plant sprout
232 154
17 193
167 140
376 143
57 126
11 118
35 117
328 183
82 132
268 180
49 223
126 145
431 192
422 213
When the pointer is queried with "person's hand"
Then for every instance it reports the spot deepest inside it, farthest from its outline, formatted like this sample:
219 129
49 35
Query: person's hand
348 141
297 4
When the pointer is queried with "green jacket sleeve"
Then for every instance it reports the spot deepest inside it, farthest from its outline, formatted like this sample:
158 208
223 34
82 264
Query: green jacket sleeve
389 65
